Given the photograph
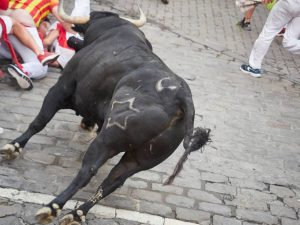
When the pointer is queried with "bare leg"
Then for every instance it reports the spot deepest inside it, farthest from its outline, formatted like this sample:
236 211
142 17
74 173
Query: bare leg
249 14
25 37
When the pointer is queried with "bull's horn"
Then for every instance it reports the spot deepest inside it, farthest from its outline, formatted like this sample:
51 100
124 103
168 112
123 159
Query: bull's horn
84 19
71 19
140 22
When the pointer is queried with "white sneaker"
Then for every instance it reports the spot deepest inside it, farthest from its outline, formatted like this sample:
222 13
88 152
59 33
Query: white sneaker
22 79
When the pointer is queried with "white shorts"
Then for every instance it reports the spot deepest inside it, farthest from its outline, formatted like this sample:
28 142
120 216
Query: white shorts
8 23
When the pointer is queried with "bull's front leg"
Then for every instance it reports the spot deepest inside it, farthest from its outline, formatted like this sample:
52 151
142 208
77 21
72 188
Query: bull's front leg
51 105
96 155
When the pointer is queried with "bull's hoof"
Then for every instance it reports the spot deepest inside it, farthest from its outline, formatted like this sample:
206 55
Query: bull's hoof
46 214
10 151
68 220
165 1
87 124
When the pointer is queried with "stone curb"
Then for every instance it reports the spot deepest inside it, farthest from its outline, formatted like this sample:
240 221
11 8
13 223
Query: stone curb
100 211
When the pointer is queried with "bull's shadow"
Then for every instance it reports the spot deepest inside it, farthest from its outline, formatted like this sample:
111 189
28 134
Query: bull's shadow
140 106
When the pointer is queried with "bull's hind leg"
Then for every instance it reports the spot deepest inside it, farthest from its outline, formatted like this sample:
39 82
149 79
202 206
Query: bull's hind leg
124 169
151 154
96 155
54 100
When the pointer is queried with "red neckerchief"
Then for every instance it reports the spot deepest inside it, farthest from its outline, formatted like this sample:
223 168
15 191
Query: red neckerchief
9 45
62 38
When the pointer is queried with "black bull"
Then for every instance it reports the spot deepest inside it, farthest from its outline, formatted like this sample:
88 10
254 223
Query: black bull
140 106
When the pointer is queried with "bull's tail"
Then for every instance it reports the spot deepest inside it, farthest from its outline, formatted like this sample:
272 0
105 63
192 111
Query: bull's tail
195 139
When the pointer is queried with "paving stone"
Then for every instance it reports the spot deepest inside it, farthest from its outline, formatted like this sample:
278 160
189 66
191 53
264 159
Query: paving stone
220 188
168 188
248 202
180 201
282 211
136 183
251 184
256 216
11 182
192 215
287 221
221 220
10 220
281 191
215 208
12 210
156 209
292 202
188 182
147 195
203 196
246 223
122 202
254 194
147 175
217 178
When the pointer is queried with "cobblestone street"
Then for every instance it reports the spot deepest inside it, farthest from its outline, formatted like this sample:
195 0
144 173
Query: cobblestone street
248 175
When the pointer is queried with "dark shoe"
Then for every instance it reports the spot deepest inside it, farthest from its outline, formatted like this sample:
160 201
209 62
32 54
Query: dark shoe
249 70
47 57
21 77
244 25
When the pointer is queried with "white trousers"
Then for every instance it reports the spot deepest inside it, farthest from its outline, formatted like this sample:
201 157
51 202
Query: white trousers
81 8
8 24
31 64
284 13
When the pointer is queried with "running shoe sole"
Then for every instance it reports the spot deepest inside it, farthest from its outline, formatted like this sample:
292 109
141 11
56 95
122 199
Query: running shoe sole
23 81
49 59
252 74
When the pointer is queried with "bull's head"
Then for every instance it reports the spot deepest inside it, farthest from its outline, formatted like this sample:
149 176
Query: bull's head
84 19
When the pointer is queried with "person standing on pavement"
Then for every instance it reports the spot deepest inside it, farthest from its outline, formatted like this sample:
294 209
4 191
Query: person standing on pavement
285 13
245 22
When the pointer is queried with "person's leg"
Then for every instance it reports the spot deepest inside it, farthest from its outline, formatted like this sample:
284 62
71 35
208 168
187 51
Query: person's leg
277 19
291 40
292 37
24 36
249 14
245 22
31 64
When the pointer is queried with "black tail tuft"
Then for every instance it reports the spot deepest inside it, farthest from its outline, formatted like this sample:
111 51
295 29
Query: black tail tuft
192 142
198 139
